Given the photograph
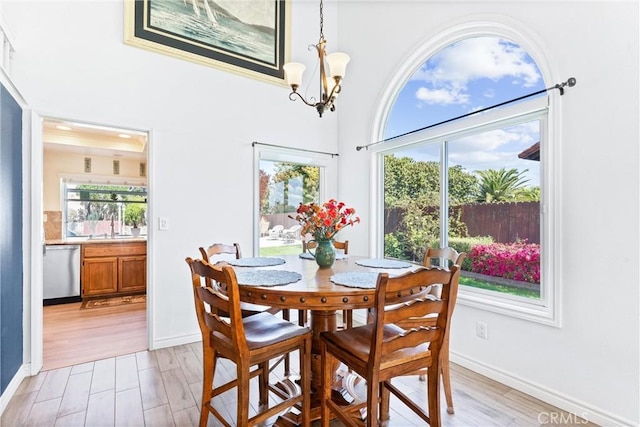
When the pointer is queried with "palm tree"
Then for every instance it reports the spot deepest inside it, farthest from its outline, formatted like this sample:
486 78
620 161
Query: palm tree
528 194
500 185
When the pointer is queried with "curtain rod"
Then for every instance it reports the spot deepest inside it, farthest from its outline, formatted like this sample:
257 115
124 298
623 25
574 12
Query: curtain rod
571 82
254 143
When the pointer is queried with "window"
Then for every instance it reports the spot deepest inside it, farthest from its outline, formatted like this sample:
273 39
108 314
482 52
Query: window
93 211
475 183
283 186
285 178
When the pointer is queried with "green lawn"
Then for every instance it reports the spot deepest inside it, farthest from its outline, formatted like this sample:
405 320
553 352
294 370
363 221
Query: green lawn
526 293
281 250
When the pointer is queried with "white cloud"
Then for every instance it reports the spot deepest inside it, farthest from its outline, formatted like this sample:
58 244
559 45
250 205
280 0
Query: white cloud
485 142
479 57
497 149
451 69
441 96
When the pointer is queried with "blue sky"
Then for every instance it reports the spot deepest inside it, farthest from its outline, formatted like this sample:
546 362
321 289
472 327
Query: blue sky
467 76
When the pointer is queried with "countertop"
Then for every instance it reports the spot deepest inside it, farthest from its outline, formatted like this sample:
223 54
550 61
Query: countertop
99 240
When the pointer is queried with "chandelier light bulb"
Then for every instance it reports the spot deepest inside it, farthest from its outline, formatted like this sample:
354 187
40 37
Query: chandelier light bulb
293 73
337 64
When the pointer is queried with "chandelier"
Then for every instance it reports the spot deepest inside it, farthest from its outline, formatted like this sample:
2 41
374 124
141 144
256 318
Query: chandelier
337 64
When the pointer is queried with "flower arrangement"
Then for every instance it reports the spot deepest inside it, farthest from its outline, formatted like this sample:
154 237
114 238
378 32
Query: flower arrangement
323 222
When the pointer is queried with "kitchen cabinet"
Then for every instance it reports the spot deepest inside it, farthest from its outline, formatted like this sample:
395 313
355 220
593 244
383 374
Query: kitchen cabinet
132 273
114 268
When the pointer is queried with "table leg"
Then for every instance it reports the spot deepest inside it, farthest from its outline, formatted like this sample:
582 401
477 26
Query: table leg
321 321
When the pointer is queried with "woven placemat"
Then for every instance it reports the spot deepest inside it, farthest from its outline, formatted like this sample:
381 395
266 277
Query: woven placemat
267 277
306 255
256 262
383 263
356 279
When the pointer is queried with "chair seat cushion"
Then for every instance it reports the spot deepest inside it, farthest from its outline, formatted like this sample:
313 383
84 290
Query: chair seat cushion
264 329
357 341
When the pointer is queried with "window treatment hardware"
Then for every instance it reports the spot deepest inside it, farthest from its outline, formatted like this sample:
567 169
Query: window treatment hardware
254 143
571 82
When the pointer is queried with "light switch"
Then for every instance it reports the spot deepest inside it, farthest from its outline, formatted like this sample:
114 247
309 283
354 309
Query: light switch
163 223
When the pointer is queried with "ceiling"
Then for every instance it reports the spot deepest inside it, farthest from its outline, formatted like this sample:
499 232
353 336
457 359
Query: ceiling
89 139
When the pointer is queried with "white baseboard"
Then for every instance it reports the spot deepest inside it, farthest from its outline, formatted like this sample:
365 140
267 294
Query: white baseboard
12 387
178 340
552 397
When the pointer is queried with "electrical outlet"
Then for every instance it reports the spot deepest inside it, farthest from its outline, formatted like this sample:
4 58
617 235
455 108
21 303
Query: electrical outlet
163 223
482 330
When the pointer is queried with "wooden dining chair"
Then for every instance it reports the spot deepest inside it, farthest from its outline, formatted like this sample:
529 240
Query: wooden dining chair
214 252
445 257
449 255
220 249
247 309
382 350
347 315
344 246
250 342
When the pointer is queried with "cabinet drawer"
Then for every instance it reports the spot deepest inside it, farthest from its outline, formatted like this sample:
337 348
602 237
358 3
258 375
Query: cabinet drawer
115 249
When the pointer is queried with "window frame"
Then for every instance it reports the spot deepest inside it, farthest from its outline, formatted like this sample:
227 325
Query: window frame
327 180
545 310
68 179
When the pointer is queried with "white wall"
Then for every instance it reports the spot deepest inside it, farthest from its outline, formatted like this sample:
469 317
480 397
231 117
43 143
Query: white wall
590 364
71 62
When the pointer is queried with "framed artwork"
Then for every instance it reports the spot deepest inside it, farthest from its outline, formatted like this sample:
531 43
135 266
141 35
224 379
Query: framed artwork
249 37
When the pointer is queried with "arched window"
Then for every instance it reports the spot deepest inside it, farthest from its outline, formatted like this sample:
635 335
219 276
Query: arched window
475 181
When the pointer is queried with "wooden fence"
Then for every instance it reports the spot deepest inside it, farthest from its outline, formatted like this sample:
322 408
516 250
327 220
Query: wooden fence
505 222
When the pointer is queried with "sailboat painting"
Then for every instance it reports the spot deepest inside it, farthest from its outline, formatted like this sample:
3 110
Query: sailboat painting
249 37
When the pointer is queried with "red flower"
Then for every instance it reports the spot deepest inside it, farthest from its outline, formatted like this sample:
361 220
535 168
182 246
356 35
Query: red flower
323 222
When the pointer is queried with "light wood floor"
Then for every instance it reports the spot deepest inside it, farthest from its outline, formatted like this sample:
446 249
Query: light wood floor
162 388
73 335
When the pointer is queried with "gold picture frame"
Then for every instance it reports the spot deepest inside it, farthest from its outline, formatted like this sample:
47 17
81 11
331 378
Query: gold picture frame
248 37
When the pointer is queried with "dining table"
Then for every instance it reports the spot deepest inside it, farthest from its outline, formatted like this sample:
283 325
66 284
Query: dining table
297 282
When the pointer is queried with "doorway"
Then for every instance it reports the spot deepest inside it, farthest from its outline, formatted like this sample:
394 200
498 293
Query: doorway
94 196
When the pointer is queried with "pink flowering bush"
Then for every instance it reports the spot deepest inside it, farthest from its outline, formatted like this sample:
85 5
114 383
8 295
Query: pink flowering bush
517 261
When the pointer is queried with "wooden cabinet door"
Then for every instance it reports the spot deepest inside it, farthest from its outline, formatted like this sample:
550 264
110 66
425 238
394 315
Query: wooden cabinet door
132 271
99 276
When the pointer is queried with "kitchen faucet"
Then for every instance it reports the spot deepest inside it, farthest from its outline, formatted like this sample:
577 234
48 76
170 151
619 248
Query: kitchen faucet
113 234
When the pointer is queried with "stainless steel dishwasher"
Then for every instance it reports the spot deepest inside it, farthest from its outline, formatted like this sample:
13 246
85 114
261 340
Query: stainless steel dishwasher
61 268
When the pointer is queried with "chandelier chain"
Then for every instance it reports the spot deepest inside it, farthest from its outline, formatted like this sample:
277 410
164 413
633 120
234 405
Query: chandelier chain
321 21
